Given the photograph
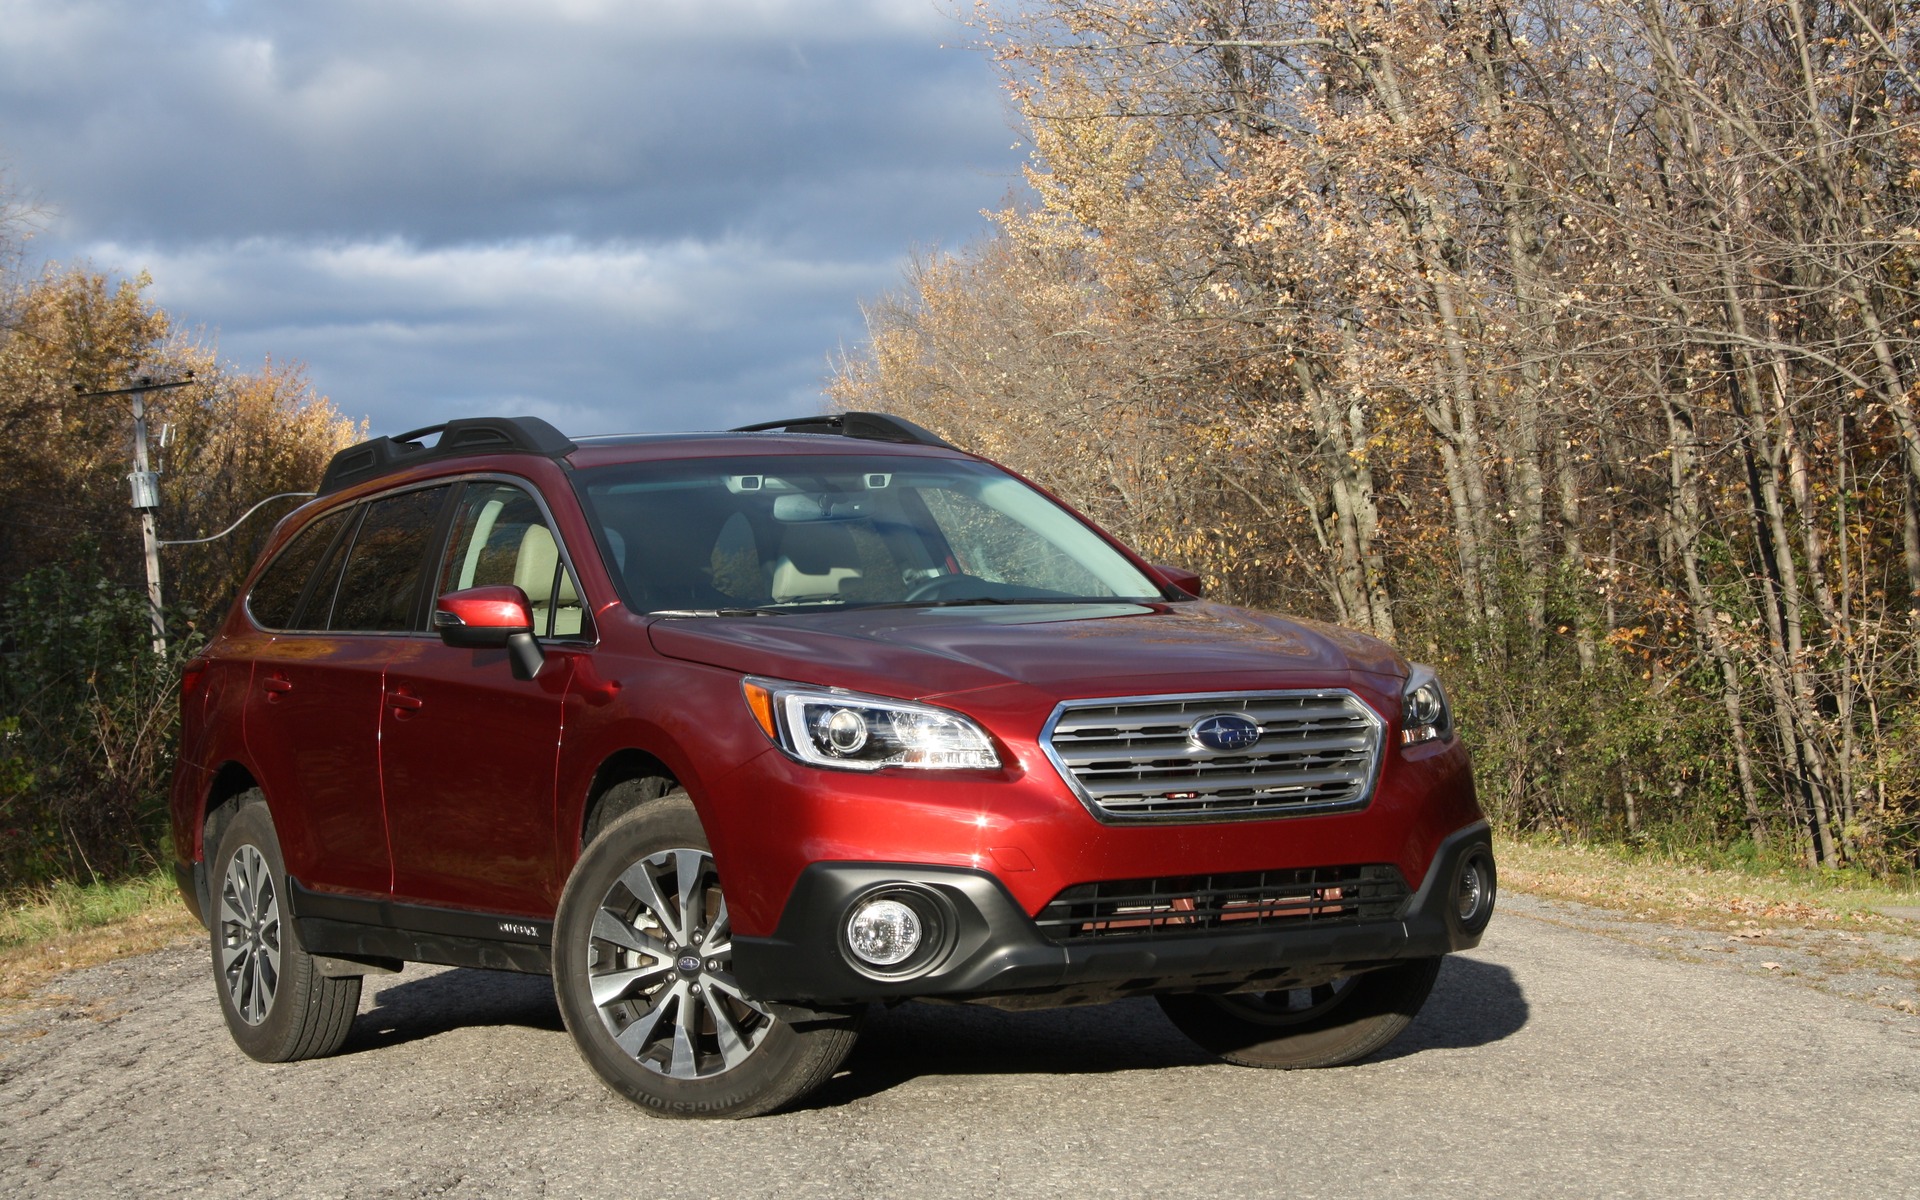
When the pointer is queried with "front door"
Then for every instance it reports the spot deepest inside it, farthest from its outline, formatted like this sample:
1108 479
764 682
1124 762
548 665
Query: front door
468 752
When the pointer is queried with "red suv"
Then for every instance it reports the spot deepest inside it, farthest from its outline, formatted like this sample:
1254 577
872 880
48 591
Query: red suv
735 734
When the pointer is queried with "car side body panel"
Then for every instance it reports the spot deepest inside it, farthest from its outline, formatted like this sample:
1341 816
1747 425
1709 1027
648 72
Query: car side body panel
312 717
467 759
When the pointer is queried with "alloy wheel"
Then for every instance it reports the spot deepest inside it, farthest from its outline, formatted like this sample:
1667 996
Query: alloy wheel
250 934
659 965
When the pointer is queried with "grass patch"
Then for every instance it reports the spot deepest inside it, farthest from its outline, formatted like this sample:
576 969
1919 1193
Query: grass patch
67 908
1727 892
68 925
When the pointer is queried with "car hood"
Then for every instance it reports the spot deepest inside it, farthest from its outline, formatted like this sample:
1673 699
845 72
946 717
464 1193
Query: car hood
1064 650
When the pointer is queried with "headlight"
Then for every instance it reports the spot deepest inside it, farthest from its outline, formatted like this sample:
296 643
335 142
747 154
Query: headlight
830 728
1424 714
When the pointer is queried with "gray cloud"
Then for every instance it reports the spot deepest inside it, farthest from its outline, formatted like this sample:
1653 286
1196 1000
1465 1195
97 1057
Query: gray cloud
609 335
626 212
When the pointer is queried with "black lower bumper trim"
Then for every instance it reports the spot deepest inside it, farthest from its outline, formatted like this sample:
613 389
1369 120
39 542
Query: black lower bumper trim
997 953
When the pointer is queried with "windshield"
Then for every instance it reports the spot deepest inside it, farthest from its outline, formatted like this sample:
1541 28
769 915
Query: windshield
791 532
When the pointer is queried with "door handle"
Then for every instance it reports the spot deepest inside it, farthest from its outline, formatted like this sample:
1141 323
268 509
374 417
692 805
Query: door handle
276 687
405 702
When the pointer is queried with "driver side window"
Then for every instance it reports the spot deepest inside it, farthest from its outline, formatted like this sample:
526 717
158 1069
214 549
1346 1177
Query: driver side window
500 536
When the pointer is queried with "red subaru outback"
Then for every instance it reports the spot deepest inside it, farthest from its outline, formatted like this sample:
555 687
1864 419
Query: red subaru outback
735 734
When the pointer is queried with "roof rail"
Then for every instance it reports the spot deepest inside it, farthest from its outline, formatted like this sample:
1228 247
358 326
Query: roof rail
474 435
875 427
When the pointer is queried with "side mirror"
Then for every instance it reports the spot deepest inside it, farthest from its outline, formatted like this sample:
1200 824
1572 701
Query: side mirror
1187 581
491 618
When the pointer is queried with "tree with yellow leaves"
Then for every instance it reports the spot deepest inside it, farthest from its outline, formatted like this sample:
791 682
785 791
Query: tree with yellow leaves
1574 345
86 708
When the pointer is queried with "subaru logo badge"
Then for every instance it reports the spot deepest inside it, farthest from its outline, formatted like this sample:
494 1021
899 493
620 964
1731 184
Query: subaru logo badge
1225 732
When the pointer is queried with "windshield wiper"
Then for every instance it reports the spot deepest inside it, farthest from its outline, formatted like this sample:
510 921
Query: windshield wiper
718 612
960 602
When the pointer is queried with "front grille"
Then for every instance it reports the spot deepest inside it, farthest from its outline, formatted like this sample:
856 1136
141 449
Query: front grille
1200 903
1136 758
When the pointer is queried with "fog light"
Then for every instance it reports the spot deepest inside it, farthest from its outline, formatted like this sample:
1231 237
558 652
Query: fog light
1473 892
883 933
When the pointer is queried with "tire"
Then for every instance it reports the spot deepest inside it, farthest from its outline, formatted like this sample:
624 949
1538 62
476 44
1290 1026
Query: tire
1326 1026
278 1006
666 1028
621 799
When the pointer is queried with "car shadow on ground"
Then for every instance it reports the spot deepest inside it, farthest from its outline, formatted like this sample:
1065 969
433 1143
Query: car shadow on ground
407 1009
1473 1004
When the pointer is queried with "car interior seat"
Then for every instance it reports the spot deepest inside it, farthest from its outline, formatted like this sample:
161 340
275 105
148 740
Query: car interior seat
814 560
538 573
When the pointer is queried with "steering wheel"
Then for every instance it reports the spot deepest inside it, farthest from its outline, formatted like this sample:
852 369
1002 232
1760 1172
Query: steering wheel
938 587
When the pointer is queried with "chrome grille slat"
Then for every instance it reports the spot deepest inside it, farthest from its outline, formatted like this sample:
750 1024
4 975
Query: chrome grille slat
1217 777
1090 758
1115 721
1131 759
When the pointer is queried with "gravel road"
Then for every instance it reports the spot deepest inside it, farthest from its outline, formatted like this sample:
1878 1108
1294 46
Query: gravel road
1558 1059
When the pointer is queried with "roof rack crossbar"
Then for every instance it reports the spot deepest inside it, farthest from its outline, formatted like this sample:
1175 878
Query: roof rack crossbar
875 427
377 456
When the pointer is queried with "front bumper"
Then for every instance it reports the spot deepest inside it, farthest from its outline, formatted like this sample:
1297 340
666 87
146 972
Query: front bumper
995 953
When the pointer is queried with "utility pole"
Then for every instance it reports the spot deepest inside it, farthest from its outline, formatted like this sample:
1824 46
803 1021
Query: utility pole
146 493
146 498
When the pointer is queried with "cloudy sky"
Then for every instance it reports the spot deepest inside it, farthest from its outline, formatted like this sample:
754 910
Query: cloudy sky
616 214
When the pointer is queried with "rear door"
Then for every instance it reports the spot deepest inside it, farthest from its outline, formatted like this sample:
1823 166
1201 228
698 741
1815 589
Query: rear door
313 705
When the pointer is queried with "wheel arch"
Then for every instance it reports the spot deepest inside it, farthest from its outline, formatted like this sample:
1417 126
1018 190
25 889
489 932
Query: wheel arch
200 821
231 781
604 803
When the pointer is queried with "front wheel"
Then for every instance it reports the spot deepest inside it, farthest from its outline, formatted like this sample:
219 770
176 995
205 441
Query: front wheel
643 970
1334 1023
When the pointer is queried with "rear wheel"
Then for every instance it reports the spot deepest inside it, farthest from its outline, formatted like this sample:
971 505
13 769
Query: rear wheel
643 960
278 1005
1335 1023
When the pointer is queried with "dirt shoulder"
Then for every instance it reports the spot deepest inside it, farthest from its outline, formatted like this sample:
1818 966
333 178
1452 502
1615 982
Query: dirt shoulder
1847 941
27 969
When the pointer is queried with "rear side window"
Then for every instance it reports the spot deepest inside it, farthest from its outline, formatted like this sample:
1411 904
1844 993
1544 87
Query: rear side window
326 582
380 588
275 599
